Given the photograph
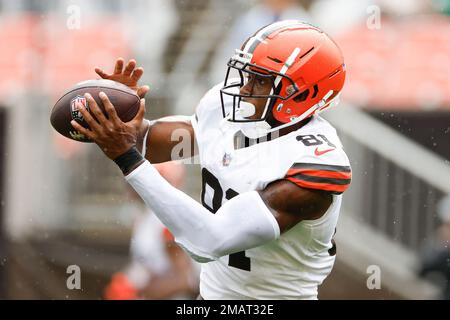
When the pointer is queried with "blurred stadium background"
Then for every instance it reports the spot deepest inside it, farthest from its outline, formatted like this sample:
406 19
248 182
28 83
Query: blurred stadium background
63 203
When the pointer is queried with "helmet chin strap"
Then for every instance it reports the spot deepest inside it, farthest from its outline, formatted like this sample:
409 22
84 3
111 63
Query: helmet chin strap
245 110
252 130
255 129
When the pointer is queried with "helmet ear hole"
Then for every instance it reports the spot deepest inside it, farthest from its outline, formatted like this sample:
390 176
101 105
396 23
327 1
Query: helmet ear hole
301 96
316 90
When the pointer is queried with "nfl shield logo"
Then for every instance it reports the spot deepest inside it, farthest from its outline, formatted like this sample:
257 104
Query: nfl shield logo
226 159
76 114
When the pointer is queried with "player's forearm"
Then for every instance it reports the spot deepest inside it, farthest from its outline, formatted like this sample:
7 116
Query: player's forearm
170 138
241 223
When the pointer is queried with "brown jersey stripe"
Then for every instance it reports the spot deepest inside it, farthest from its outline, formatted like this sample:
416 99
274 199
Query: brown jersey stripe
300 176
326 167
337 189
320 173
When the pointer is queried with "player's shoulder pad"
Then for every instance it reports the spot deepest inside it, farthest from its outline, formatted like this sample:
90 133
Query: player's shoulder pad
211 100
320 161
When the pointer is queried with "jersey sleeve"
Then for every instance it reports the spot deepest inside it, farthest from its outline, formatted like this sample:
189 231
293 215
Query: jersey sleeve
321 168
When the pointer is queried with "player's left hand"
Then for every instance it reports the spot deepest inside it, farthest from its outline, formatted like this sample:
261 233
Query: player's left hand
128 76
112 135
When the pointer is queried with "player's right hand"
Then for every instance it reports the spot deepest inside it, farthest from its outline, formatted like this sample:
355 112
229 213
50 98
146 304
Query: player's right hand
128 76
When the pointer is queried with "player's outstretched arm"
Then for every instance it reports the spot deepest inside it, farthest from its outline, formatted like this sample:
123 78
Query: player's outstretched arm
248 220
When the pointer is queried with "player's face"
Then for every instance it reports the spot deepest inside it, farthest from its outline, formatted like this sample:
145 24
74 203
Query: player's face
257 85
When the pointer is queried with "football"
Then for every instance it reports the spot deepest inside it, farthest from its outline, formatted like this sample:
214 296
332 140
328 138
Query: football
125 101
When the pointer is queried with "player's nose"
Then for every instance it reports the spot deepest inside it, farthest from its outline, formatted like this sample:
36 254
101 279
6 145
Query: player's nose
246 89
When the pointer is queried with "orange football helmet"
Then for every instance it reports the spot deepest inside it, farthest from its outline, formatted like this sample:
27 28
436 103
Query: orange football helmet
305 64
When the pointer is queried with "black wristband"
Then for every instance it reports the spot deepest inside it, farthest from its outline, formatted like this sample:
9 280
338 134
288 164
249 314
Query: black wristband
128 161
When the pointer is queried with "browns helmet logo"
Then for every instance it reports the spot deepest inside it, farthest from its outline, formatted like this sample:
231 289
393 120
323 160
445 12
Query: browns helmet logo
226 159
74 110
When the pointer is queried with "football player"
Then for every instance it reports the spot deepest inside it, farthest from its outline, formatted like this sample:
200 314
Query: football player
273 170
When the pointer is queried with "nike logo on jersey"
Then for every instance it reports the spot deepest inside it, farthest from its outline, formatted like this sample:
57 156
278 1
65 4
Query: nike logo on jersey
318 152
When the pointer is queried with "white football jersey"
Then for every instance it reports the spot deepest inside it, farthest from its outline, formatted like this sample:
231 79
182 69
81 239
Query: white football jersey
294 265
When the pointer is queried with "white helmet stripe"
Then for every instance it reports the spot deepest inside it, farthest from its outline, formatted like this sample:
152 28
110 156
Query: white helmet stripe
262 34
287 64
